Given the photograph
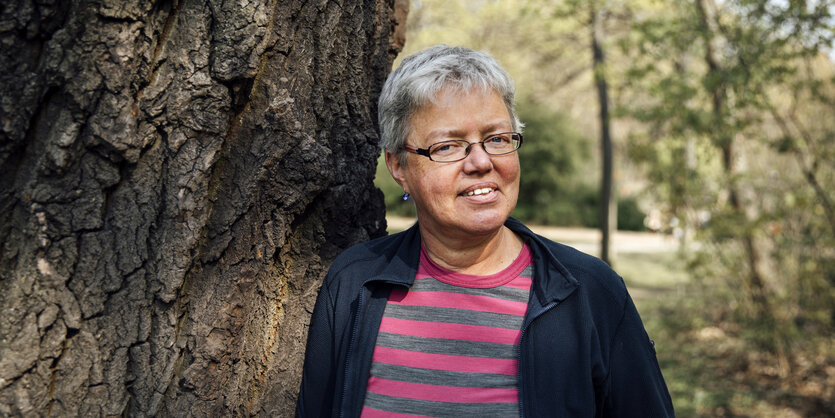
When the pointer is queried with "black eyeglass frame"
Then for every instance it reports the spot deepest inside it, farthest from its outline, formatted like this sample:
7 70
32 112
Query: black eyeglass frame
426 151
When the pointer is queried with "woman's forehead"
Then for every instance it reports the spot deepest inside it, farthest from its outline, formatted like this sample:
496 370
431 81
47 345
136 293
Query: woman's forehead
456 113
441 133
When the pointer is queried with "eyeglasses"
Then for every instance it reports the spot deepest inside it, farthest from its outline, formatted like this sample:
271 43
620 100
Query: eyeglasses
458 149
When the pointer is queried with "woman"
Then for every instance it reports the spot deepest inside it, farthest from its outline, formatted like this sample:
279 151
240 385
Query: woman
469 313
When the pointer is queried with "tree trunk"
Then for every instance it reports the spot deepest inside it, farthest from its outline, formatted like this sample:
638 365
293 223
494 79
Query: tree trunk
754 285
608 202
175 177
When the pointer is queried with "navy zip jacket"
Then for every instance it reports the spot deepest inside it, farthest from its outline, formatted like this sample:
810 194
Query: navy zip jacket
583 351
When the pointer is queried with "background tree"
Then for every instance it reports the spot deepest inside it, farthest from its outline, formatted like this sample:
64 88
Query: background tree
175 177
608 199
733 88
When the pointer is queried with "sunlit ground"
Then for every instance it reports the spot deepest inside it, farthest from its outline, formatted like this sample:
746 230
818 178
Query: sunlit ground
709 370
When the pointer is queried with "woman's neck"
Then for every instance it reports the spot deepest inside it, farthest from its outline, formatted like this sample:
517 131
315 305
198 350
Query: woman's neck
483 256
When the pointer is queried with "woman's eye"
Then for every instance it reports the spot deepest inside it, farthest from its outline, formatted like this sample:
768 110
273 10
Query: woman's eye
445 148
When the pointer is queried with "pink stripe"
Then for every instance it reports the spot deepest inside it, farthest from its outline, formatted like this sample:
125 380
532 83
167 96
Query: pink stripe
461 301
429 267
520 282
376 413
450 331
438 393
397 294
444 361
517 282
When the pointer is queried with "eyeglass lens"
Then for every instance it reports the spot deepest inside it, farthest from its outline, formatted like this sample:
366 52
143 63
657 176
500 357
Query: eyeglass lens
458 149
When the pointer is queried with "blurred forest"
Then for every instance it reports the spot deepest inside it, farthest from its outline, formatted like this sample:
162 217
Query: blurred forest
723 127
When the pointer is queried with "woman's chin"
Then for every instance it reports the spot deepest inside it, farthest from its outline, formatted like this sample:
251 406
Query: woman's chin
483 222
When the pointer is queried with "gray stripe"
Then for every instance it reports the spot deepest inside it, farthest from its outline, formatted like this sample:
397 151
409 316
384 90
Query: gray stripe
454 316
444 346
501 292
442 377
440 409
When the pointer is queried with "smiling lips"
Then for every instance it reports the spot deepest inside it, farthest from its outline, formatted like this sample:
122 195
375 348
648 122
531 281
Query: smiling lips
476 192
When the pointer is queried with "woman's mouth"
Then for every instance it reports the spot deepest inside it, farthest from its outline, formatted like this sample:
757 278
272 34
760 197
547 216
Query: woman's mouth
476 192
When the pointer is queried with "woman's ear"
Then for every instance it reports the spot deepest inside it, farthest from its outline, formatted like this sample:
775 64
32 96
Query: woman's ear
396 170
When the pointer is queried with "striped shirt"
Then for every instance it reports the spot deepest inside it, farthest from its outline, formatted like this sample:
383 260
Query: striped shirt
449 345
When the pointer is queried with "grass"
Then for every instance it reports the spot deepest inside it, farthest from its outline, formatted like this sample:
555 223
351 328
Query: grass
710 368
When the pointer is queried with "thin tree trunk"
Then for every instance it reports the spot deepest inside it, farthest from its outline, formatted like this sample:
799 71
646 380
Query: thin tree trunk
175 177
754 284
809 170
608 201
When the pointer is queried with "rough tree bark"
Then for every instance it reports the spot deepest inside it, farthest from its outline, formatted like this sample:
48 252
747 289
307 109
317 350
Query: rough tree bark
175 177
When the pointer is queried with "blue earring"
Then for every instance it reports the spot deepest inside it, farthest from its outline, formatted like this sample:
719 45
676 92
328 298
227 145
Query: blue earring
405 196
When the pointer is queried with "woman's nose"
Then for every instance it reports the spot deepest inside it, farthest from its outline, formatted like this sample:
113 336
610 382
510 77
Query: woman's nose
478 160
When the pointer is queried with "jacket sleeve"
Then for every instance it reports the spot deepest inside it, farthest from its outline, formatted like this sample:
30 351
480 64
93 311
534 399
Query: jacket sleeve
636 387
316 395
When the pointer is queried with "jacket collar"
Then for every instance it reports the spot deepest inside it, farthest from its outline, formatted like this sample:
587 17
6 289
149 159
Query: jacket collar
552 281
401 268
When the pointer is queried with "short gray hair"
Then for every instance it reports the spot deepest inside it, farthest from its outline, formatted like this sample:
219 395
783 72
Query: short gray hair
423 74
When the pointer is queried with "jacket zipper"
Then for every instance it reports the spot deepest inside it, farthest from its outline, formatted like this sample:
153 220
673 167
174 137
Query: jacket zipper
354 336
519 356
361 308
